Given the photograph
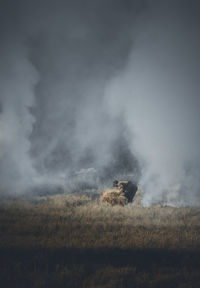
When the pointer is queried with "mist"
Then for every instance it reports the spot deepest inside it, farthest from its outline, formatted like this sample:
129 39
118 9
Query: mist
99 90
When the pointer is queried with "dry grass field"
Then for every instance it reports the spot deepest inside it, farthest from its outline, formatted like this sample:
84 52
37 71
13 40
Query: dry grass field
75 240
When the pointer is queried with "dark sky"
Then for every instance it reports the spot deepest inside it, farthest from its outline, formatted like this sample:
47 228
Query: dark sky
103 87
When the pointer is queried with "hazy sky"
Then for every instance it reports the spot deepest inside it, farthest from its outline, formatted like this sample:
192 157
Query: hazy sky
101 89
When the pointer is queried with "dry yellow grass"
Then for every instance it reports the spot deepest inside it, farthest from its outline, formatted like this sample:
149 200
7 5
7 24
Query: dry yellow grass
77 239
80 221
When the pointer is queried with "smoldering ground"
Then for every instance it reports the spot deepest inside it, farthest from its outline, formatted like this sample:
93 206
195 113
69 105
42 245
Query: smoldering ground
100 90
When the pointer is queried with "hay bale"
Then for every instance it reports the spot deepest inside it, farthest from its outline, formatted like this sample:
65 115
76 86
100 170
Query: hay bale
114 197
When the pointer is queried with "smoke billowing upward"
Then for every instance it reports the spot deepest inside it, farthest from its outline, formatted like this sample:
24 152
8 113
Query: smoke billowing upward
99 90
160 87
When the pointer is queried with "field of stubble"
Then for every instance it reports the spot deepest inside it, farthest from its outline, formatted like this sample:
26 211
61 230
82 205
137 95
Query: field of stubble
74 240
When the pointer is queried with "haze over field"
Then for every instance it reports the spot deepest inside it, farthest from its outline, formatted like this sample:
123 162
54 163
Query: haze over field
96 90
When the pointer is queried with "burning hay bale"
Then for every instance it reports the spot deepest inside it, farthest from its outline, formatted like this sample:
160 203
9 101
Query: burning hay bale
114 197
122 194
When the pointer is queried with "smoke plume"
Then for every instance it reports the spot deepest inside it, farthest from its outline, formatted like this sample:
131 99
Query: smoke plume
158 92
96 90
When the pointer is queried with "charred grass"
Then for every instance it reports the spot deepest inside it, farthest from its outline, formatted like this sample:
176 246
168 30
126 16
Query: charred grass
77 241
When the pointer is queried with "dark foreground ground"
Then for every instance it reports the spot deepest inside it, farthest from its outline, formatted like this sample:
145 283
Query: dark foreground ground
76 241
99 268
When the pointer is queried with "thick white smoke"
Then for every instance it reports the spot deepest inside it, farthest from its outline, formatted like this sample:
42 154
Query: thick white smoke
158 92
17 80
55 127
101 90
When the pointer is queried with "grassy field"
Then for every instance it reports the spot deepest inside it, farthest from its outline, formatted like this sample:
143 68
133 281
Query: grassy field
74 240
